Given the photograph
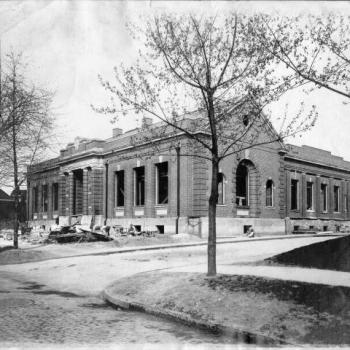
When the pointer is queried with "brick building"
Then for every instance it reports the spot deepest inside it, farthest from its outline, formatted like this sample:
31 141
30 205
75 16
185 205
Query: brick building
275 188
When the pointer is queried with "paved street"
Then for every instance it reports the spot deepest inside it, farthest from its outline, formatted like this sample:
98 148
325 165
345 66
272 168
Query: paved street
57 301
32 314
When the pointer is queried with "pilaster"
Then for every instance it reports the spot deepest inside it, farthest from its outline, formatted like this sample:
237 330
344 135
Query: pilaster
317 195
86 191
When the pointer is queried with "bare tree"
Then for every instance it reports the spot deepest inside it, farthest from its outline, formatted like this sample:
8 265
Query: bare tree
26 109
213 70
316 49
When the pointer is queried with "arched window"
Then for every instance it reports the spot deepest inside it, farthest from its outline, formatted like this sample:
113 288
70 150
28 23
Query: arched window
242 176
269 193
221 188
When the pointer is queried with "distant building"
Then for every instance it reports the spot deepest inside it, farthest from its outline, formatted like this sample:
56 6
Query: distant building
7 208
275 188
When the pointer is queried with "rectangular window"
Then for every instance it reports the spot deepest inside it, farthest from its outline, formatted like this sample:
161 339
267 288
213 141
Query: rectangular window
336 199
55 196
324 199
162 183
139 185
119 189
35 199
294 194
44 198
309 195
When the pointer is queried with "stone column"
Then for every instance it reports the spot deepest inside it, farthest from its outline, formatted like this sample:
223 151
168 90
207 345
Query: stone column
85 191
287 193
347 187
97 191
281 190
150 200
342 201
70 192
129 191
303 194
330 197
49 201
40 202
62 195
318 195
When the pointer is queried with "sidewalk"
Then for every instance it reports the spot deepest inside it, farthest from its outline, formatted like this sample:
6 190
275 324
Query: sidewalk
50 251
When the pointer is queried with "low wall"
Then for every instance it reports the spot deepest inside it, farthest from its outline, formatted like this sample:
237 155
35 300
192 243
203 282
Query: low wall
169 224
230 227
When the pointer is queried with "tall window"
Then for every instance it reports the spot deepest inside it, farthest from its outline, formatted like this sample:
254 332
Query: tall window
55 196
269 193
119 189
162 183
336 198
309 195
44 198
242 185
294 194
221 188
35 199
324 199
139 185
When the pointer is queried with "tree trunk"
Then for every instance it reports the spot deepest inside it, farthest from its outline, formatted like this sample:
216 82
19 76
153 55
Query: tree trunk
15 224
212 218
15 162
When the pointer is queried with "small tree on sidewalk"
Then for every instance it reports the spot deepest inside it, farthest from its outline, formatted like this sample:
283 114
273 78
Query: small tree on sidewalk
211 67
26 109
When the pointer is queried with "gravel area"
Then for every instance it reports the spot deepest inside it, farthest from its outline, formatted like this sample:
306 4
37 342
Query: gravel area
39 252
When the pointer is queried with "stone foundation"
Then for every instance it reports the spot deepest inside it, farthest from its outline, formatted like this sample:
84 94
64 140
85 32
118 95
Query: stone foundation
231 227
318 225
167 225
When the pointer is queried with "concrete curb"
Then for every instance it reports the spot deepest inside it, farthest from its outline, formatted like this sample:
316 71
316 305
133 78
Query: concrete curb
237 334
177 245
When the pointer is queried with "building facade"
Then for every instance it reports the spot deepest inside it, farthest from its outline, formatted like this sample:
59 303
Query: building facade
275 188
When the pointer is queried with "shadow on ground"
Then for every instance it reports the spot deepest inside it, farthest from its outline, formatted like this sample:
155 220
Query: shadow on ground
333 254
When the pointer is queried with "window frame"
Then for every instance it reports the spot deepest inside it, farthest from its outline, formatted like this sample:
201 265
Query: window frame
35 203
247 188
310 185
44 198
296 182
324 197
336 189
139 202
157 186
55 196
117 180
272 193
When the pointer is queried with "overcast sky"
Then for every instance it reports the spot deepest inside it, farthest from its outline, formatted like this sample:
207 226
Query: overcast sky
68 43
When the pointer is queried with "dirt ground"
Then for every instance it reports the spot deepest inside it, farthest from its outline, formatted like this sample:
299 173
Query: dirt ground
38 252
296 312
